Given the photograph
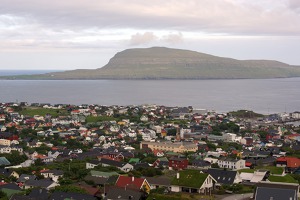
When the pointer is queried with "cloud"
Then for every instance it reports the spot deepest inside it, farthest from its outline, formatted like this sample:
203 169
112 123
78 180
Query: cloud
294 5
235 17
173 38
145 38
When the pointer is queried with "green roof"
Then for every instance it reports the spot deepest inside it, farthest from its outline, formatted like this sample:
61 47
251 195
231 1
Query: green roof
163 159
190 178
103 174
172 153
134 160
4 161
10 192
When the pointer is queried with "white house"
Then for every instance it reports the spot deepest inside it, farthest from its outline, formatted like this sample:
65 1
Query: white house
231 163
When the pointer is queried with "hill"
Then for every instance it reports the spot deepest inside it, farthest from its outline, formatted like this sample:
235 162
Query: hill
166 63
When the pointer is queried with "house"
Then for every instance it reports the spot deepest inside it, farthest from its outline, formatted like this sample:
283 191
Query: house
8 173
177 163
177 147
282 191
43 183
134 183
225 177
52 174
193 181
4 161
92 164
159 182
125 167
231 163
291 163
25 177
161 162
10 189
201 164
58 195
257 176
115 193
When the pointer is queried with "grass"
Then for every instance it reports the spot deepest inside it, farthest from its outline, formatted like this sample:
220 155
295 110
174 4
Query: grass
43 111
247 170
284 179
273 169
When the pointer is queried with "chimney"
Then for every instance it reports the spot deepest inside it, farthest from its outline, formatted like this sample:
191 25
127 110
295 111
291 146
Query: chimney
177 175
132 178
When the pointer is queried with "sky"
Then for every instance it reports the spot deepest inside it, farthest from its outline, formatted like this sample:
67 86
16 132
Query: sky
85 34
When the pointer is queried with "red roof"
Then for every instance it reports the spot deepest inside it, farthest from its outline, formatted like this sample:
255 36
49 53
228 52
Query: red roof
248 164
131 182
291 161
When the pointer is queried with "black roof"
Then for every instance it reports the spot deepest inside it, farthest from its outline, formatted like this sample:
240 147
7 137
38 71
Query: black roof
43 183
223 176
11 186
282 191
201 163
57 195
112 162
38 193
121 194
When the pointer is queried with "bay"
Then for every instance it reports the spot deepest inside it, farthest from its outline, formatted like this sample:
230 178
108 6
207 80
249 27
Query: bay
260 95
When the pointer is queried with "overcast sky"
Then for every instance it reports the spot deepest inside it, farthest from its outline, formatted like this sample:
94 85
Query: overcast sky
73 34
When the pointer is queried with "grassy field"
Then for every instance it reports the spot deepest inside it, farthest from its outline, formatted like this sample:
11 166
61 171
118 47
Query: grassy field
284 179
43 111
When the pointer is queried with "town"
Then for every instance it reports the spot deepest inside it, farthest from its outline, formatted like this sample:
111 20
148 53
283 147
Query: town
146 152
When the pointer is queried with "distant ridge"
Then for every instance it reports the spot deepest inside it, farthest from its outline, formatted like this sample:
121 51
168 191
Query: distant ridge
167 63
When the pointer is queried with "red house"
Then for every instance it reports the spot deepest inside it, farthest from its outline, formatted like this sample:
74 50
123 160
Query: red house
178 163
290 163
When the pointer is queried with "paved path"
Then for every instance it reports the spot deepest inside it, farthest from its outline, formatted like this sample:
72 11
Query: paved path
238 197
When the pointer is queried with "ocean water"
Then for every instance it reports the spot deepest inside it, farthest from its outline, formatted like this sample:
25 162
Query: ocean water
24 72
260 95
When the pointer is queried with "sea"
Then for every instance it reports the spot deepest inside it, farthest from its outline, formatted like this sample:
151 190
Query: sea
265 96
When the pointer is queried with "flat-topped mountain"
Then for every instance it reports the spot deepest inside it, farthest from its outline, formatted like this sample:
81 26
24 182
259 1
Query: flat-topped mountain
167 63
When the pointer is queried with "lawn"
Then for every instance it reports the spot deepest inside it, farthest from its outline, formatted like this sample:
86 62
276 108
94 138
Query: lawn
43 111
273 169
284 179
247 170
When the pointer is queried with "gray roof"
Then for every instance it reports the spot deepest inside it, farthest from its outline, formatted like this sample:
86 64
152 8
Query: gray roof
161 181
4 161
25 177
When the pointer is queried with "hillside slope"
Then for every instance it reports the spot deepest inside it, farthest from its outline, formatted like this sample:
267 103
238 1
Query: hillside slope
166 63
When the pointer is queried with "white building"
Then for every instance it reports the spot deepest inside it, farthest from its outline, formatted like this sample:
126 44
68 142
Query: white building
231 163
